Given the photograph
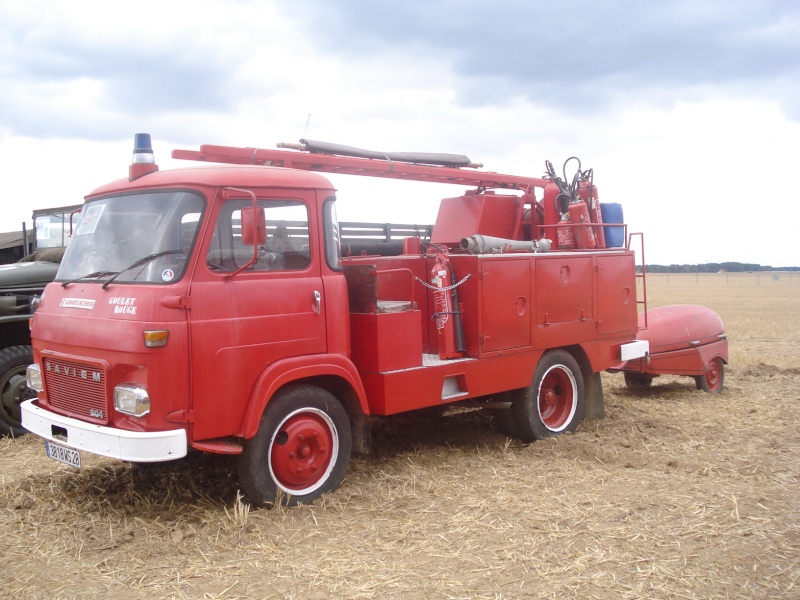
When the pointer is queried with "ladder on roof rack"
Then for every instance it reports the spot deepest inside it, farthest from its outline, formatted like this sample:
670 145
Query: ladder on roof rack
356 165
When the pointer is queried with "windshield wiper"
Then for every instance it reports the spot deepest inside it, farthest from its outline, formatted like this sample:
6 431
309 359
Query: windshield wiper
90 276
142 261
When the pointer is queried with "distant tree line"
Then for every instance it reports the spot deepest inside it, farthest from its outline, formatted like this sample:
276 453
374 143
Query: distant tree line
731 267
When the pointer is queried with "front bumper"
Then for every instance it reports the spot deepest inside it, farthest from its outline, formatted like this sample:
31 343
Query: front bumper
133 446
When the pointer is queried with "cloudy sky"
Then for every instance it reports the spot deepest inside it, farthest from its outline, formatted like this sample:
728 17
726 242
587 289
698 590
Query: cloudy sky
688 111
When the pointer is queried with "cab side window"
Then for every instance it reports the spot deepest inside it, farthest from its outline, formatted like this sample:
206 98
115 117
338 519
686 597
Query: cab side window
287 247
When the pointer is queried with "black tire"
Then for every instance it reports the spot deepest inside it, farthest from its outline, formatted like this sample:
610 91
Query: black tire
14 389
638 381
713 380
553 404
301 449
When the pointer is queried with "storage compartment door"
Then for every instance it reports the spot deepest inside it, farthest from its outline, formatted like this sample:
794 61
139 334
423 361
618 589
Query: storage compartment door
616 294
505 304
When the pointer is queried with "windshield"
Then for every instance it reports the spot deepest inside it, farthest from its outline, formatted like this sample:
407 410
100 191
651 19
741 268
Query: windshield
134 238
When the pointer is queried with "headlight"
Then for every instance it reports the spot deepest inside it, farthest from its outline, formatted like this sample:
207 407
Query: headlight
34 376
131 399
34 302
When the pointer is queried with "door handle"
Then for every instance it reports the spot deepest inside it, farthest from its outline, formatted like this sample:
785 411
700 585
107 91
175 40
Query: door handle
317 302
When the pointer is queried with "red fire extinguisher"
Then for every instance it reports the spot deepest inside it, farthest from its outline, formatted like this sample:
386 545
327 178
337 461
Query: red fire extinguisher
565 233
588 192
584 234
445 307
598 218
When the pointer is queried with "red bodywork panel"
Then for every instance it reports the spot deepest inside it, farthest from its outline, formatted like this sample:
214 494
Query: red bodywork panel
489 214
513 306
684 339
81 328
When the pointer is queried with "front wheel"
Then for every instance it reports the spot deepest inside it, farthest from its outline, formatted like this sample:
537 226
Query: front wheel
14 389
553 404
714 377
301 449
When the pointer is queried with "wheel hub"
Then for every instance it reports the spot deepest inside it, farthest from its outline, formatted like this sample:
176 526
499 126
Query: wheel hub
301 451
557 399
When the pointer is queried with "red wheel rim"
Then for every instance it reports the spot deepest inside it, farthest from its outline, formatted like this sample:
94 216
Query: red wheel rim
714 375
302 451
557 398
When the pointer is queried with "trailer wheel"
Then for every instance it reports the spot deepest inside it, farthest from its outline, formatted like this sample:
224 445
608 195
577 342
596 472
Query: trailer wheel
638 381
14 389
553 404
301 449
714 377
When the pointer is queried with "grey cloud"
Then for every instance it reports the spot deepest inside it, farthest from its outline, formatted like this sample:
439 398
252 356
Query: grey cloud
137 79
577 54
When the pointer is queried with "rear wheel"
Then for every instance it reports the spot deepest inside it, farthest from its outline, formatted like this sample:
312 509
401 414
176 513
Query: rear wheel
714 377
553 404
14 389
301 449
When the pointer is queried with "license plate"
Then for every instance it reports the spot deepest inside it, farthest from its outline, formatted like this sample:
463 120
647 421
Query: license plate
65 455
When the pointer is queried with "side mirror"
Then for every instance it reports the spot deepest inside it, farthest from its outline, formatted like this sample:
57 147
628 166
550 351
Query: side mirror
254 226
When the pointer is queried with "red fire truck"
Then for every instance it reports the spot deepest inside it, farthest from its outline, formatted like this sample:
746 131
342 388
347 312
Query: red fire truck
217 309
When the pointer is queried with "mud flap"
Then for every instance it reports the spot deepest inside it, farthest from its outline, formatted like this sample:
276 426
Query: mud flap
594 406
360 429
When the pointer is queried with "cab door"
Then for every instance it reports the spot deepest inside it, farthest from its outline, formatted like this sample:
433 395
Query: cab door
242 322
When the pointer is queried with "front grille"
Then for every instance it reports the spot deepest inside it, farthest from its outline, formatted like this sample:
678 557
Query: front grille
76 389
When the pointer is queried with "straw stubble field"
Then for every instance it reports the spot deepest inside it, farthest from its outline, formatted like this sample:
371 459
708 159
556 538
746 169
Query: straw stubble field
675 494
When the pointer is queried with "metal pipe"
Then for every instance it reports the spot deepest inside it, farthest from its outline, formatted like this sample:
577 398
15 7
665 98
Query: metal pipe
484 244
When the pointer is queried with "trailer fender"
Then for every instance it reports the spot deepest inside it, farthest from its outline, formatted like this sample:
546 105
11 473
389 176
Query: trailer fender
298 368
715 350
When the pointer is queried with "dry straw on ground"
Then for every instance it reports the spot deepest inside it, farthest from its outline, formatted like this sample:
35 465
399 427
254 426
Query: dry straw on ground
675 494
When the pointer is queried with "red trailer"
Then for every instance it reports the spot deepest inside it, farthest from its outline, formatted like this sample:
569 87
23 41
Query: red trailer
685 340
217 309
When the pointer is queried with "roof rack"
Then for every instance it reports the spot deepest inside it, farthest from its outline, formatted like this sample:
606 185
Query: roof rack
325 157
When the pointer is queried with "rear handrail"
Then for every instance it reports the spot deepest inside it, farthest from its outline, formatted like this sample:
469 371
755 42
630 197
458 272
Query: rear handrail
642 275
